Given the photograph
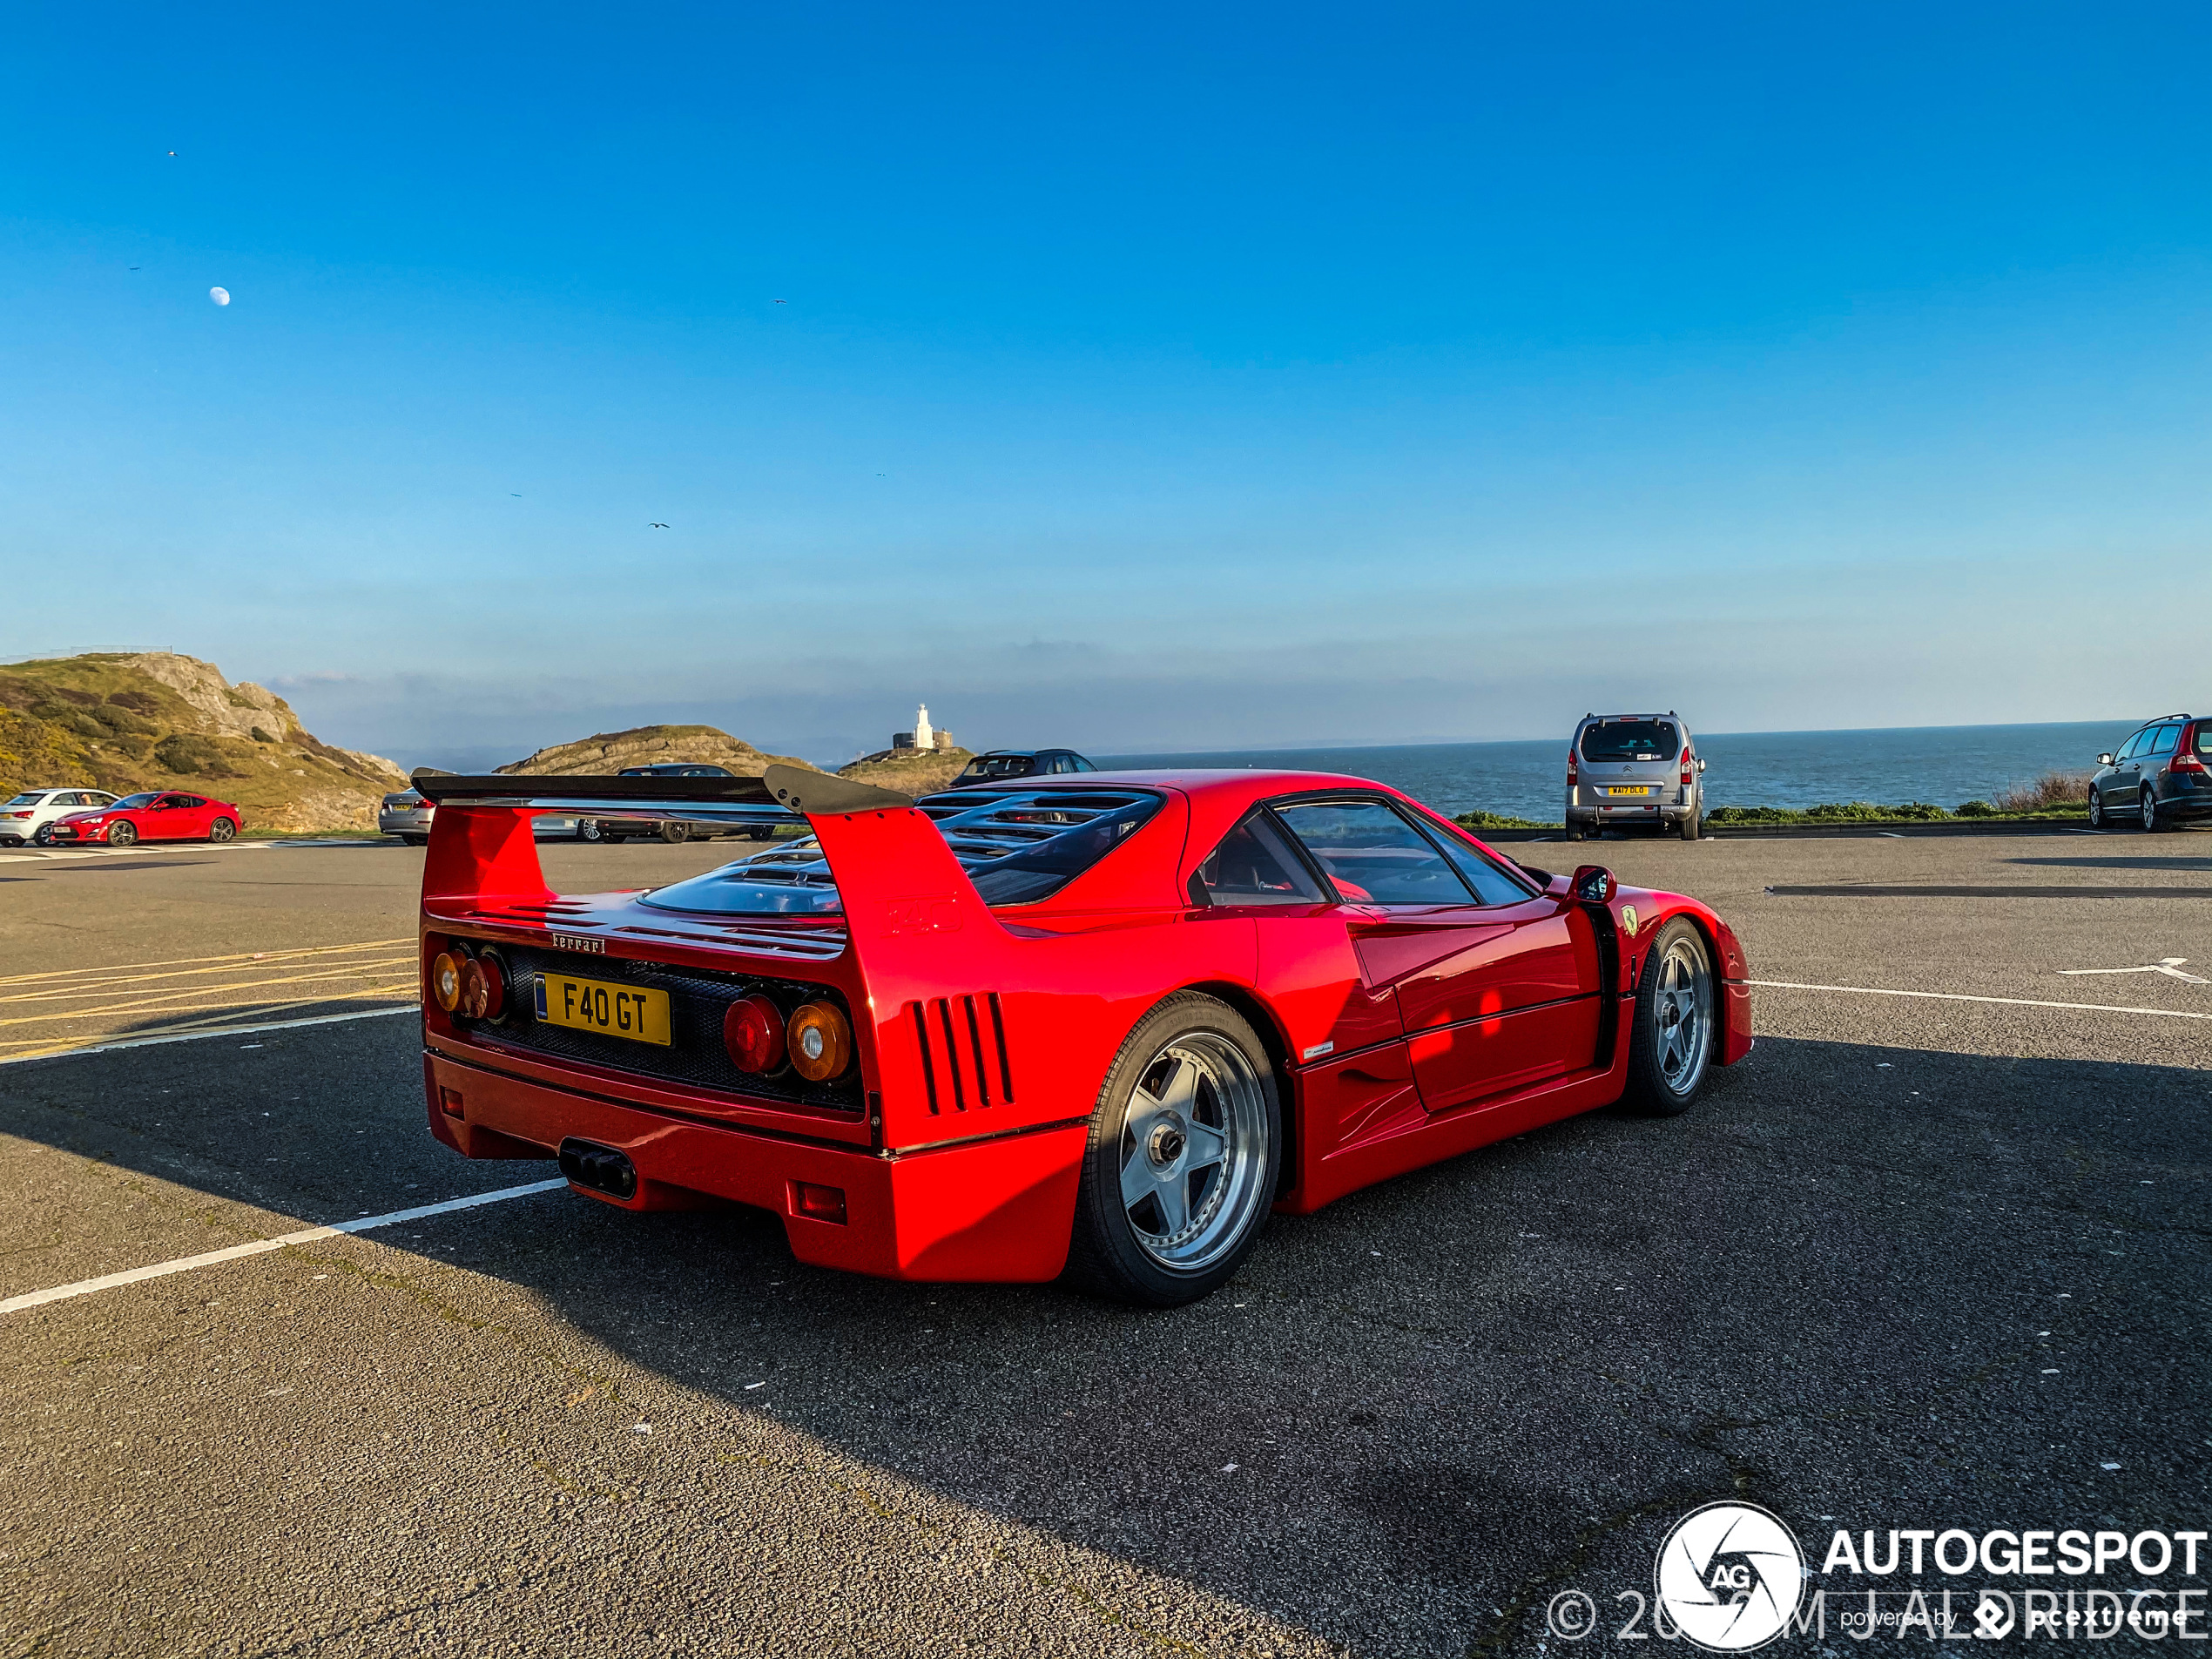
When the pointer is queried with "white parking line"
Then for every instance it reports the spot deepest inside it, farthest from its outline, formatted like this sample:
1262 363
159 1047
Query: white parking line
409 1007
1953 996
138 851
262 1246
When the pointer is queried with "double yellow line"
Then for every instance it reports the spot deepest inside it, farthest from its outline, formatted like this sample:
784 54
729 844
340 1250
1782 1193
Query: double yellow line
207 989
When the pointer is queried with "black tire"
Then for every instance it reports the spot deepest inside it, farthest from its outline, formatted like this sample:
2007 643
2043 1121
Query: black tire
2096 811
222 830
1576 832
42 836
2147 809
587 829
122 834
416 840
1691 827
1667 1067
761 832
675 834
1231 1096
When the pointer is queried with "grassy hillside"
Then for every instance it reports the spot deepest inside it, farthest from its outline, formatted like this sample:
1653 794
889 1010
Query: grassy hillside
651 746
128 721
911 772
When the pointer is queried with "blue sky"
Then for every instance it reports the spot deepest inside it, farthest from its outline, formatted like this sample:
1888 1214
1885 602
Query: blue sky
1143 379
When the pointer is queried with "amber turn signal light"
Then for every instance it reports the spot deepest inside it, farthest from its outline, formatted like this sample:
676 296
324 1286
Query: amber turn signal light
821 1043
483 988
445 981
753 1033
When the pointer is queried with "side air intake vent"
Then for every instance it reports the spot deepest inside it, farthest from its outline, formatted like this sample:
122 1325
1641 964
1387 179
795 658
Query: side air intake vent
962 1039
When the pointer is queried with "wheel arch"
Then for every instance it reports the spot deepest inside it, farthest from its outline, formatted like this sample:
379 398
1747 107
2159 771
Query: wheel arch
1261 1018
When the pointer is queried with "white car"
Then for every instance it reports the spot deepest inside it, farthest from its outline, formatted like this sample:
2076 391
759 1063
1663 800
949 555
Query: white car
25 818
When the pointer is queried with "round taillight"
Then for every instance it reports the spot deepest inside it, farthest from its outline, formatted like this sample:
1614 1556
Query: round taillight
753 1033
483 988
445 981
821 1043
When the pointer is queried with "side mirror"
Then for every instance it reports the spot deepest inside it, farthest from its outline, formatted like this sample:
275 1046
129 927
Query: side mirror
1594 883
2104 760
1701 765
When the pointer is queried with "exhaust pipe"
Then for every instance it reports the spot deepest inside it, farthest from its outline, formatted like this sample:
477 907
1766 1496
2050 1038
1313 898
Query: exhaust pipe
600 1169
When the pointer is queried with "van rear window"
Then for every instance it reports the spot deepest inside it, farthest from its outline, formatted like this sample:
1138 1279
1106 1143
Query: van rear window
1631 740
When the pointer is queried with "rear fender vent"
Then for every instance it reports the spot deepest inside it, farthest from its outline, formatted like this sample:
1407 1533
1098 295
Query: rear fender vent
964 1063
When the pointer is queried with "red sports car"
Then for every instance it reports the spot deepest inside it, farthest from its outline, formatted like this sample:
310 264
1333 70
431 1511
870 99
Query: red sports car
157 815
1098 1025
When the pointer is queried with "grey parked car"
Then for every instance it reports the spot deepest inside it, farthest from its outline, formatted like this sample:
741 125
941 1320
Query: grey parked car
1634 769
2158 778
406 814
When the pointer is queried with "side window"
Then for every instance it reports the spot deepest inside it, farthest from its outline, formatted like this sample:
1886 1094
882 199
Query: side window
1371 854
190 800
1253 866
2162 741
2133 746
1491 884
1080 765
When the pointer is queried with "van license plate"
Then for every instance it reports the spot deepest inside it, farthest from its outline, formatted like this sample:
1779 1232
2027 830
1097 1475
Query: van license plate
611 1010
1628 789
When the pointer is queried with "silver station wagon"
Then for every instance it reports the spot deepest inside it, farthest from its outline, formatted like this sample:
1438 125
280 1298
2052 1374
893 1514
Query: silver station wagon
1625 769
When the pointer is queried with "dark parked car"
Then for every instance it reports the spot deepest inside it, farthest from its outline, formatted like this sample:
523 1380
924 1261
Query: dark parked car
621 829
2158 777
998 765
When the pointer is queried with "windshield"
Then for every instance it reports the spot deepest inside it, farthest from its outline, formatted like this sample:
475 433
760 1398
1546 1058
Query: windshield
139 800
1000 766
1017 846
30 799
1631 740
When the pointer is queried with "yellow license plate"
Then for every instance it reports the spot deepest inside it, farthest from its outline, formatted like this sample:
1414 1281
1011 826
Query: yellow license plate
611 1010
1628 789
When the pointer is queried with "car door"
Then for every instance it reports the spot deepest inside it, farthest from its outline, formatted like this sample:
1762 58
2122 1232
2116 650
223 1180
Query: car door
2158 750
1495 984
165 820
2127 770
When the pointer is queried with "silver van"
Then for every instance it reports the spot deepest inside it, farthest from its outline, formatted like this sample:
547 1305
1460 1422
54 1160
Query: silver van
1625 769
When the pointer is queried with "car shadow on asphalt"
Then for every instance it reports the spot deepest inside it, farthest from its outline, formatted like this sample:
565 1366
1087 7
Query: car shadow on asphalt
1897 1283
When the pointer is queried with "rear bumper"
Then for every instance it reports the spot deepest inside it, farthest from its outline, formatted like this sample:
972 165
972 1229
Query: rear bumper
997 1209
2195 802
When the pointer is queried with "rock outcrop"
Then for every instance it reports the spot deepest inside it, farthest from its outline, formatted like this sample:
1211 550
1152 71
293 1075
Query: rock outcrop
134 720
652 745
911 772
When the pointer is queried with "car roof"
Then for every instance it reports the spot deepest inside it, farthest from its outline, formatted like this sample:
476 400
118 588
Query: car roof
1595 719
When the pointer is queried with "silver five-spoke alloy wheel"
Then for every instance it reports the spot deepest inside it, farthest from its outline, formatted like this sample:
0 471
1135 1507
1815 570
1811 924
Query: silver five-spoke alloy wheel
1683 1013
1194 1153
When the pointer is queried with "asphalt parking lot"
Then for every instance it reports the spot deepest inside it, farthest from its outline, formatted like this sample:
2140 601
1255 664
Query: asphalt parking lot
1923 1261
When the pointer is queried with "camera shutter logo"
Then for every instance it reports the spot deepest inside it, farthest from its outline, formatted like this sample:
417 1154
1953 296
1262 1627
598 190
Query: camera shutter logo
1729 1575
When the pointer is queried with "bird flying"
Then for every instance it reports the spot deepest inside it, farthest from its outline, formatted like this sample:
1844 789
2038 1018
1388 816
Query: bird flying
656 527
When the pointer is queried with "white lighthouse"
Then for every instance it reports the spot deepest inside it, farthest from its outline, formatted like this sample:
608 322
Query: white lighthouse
924 737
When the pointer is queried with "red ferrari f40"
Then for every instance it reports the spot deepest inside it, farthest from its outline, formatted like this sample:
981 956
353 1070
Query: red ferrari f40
1099 1026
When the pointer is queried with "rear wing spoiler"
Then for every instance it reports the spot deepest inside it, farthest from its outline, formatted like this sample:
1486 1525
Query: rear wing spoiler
692 800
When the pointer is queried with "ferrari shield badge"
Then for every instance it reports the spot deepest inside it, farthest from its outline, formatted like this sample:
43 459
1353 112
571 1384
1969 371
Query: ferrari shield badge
1628 920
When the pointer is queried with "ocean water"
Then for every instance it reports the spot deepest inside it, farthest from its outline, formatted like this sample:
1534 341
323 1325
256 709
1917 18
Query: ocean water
1942 764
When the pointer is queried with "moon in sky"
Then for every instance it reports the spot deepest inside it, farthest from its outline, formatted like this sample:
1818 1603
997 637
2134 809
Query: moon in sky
220 296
